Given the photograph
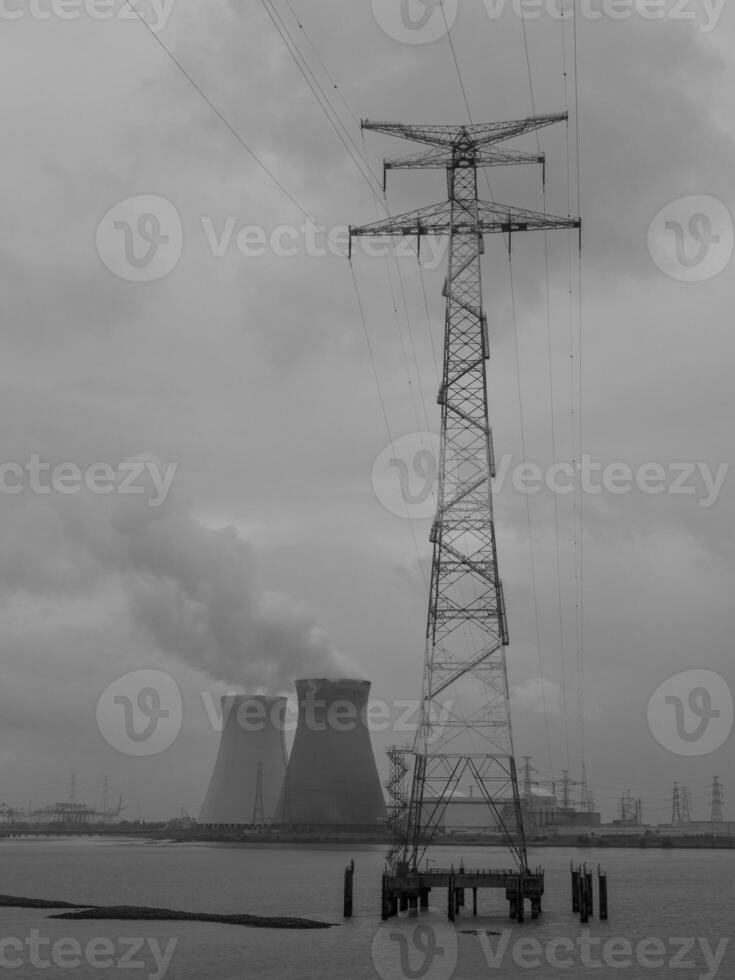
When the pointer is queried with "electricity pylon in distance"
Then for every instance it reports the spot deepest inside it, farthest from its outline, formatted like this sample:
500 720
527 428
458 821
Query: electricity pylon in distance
464 733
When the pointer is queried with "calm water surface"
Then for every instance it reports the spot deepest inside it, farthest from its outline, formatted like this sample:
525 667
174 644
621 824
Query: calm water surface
681 903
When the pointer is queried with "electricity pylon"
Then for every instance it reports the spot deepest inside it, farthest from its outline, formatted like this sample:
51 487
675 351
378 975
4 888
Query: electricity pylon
685 804
717 801
676 807
464 731
258 812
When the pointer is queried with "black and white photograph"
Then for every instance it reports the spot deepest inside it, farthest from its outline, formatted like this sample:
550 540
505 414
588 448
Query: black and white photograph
367 490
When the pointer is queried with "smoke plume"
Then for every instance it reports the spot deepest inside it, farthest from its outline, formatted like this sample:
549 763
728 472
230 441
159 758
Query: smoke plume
192 592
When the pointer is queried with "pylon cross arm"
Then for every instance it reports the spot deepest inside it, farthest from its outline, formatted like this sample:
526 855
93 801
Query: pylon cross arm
440 219
477 134
441 158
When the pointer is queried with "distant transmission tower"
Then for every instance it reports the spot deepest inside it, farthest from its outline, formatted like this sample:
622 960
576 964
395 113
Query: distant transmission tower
464 732
258 813
686 800
718 801
73 788
676 807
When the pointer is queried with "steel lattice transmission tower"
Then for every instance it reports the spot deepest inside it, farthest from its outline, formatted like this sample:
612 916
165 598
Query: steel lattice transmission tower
676 807
717 801
464 732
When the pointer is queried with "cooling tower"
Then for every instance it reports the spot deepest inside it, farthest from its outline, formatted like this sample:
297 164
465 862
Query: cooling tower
331 778
251 762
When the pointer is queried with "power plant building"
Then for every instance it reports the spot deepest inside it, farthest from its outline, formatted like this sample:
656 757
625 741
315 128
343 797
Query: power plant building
251 763
331 779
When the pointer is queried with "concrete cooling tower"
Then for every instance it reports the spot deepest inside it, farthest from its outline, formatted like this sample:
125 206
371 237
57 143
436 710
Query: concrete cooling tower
251 763
331 779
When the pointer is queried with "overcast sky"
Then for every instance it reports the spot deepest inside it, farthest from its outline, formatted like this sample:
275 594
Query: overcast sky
276 552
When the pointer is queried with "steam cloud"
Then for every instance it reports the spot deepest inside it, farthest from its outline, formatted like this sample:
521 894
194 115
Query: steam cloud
191 590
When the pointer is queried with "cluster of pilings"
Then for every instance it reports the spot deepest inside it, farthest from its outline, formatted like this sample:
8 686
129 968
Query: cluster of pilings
583 892
409 892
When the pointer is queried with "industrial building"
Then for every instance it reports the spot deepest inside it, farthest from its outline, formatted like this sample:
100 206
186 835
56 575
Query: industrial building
251 763
331 779
330 782
470 813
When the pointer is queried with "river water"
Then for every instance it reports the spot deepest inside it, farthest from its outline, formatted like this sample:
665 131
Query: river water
672 915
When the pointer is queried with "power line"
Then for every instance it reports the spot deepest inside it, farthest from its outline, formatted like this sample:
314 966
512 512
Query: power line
195 85
562 644
319 94
322 63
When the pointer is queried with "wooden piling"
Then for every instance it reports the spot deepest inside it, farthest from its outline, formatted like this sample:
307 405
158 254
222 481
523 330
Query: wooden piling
602 887
474 901
451 908
575 890
348 890
589 894
582 896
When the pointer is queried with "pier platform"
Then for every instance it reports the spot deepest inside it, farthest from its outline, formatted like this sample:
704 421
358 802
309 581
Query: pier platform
410 891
